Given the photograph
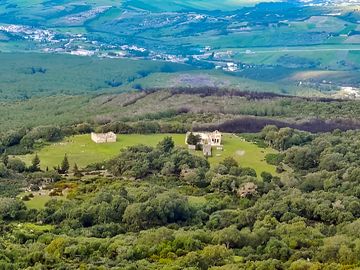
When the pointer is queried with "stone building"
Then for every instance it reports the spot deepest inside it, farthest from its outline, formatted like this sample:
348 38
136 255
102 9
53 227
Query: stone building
109 137
211 138
207 150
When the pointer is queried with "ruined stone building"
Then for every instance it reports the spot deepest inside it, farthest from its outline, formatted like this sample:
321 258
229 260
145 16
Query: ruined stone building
109 137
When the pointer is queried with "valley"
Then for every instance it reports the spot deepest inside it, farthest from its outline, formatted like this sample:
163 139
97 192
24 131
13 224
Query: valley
293 38
179 135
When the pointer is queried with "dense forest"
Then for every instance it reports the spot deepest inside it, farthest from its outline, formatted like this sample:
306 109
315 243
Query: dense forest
188 107
164 208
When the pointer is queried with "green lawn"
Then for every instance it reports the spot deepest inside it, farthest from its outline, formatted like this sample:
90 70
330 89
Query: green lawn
81 150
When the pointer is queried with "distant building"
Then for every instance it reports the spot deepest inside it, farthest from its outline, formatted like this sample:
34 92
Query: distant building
211 138
109 137
207 141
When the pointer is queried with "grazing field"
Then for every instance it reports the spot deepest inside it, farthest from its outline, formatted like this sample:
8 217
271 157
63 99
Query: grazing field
81 150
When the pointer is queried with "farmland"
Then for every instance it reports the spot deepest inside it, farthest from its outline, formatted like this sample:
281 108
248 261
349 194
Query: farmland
242 39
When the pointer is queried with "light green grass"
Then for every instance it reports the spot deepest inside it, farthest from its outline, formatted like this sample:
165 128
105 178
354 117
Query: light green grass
81 150
197 201
38 201
35 227
246 153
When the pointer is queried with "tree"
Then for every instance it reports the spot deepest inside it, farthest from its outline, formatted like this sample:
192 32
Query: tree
266 177
5 159
16 165
216 255
193 139
230 237
277 249
4 172
77 172
229 162
65 165
11 209
35 164
302 158
332 162
166 145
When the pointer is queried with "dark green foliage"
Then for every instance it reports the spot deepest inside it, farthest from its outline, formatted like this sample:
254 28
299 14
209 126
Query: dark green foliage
35 164
303 158
180 213
166 145
65 165
76 171
11 209
165 209
140 161
16 165
274 159
284 138
4 172
193 139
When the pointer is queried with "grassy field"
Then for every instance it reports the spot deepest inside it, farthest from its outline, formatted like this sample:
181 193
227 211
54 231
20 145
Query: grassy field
38 201
81 150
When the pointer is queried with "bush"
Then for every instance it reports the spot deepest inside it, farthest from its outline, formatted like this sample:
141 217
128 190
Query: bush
16 165
274 159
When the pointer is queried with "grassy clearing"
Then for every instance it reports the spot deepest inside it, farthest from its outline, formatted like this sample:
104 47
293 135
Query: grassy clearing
247 154
81 150
32 227
39 200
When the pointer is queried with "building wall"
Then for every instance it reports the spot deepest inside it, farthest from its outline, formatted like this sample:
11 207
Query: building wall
103 137
213 138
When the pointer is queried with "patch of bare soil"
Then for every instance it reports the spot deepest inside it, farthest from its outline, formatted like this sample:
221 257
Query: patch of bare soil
240 153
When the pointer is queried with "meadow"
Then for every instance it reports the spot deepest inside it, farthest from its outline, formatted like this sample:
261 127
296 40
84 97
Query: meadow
82 151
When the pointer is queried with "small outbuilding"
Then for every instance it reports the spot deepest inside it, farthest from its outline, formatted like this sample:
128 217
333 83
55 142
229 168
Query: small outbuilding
207 150
109 137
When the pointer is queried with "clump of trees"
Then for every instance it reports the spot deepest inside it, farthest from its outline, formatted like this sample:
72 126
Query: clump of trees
141 161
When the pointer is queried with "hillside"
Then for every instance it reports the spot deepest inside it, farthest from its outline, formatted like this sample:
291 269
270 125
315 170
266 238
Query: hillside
190 107
180 135
271 42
